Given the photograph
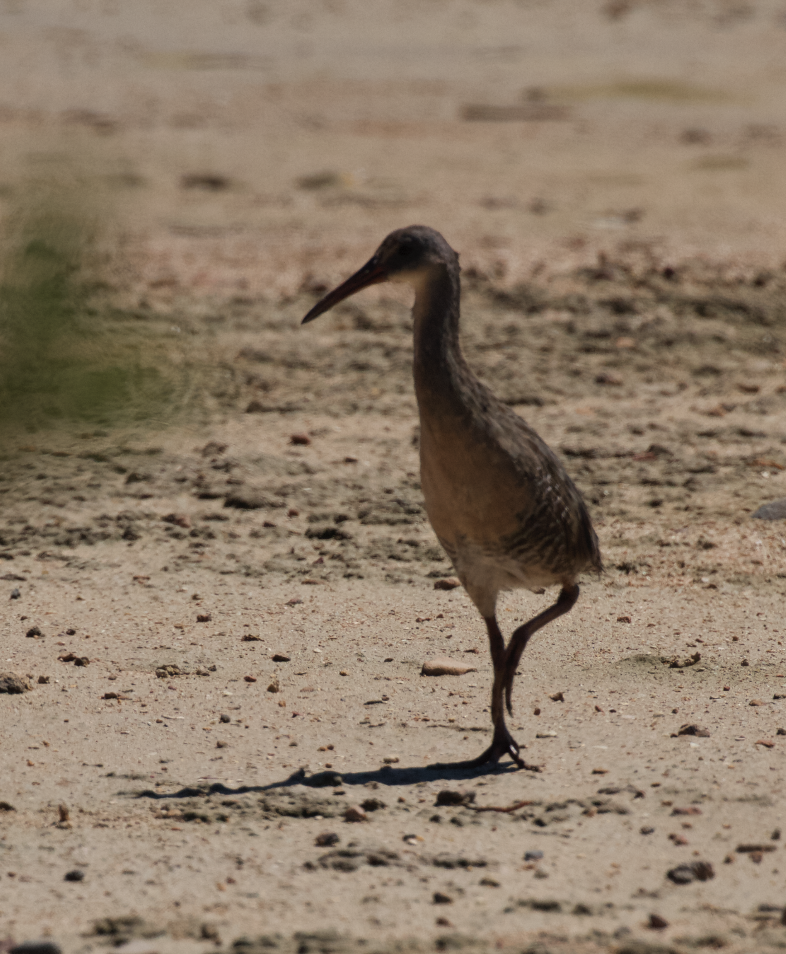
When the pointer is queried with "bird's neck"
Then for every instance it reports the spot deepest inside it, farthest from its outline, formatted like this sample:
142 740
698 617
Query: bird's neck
438 361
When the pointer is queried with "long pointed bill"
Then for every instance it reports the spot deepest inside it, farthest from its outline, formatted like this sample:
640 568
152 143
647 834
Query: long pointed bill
372 273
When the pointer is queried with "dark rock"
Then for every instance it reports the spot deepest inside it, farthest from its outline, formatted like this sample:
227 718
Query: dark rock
448 797
326 839
13 684
695 871
776 510
75 875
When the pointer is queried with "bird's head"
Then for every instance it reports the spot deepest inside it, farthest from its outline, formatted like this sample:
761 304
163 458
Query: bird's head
407 255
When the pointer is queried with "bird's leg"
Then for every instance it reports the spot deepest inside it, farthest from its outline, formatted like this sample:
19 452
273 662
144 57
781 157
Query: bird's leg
503 742
518 641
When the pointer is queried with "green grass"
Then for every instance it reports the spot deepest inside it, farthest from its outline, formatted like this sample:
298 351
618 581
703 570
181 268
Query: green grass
61 358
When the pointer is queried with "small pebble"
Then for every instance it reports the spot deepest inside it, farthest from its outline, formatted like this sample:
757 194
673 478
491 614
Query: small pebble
250 678
274 686
444 666
449 584
43 680
224 718
15 594
450 797
299 440
657 923
355 814
34 632
204 617
326 839
75 875
440 898
695 871
280 657
533 855
390 759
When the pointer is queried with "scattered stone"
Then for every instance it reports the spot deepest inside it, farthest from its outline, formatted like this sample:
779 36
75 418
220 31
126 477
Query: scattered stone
299 440
326 839
440 898
657 923
166 672
274 684
449 797
646 830
624 619
557 697
222 745
6 807
250 500
533 855
690 810
178 520
13 684
608 378
280 657
372 804
390 760
224 718
489 883
249 678
775 510
751 849
204 617
676 663
691 728
767 743
448 584
695 871
444 666
355 814
250 638
75 875
34 633
43 680
16 594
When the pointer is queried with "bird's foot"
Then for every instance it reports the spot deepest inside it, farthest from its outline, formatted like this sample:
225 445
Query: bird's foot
503 743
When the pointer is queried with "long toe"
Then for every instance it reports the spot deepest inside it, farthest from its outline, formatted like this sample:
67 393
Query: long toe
502 744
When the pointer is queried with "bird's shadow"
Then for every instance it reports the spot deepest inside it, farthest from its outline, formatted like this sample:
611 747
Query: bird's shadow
388 775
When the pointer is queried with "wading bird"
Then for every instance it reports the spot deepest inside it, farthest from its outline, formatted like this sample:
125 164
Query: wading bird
500 502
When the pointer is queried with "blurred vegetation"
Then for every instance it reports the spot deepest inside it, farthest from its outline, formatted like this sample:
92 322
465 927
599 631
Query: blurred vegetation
64 358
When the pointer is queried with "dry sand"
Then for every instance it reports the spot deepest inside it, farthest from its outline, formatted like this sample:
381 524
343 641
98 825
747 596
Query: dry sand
619 208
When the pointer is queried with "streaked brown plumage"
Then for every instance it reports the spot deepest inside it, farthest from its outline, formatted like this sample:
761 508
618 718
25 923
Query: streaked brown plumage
498 498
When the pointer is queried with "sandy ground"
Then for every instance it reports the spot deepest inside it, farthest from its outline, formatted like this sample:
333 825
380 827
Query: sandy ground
253 583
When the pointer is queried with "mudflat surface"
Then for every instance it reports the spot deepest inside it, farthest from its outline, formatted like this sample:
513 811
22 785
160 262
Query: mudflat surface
222 608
